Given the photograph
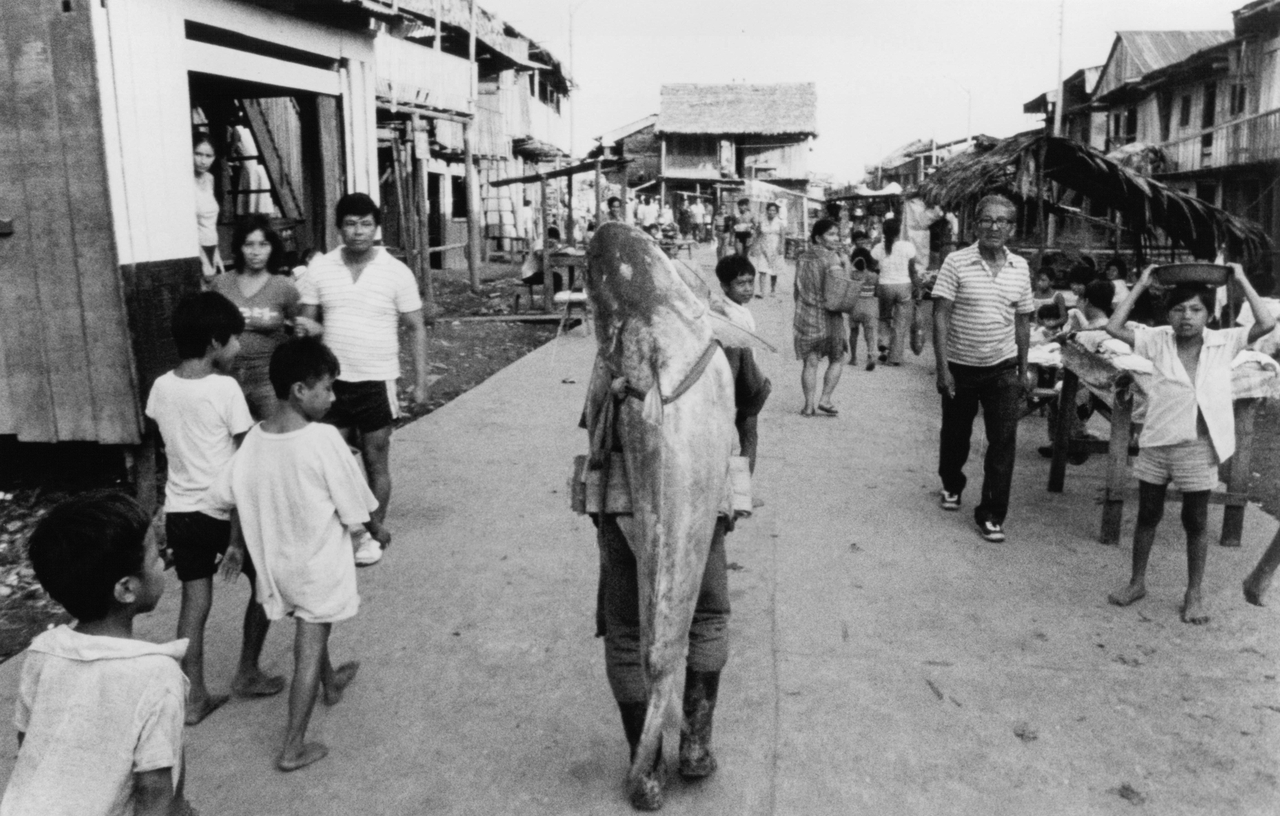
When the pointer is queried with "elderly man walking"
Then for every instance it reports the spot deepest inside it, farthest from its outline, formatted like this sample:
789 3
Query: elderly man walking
981 330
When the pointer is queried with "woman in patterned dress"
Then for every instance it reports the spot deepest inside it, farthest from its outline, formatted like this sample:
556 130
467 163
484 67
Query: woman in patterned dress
818 332
767 249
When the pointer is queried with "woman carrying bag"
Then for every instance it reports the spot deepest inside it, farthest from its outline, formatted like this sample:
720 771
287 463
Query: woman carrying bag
819 330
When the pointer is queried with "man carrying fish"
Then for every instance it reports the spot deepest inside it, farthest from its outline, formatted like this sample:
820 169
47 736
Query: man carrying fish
661 415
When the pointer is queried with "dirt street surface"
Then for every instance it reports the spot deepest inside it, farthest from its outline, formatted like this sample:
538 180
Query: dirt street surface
885 660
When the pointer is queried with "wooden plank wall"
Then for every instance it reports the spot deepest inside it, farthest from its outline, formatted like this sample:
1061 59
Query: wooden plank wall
66 357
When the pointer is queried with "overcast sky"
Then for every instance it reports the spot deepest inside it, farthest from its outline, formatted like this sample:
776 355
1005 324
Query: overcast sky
887 71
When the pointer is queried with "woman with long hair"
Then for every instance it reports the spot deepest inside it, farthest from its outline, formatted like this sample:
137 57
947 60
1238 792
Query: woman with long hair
767 249
207 207
898 284
262 288
818 332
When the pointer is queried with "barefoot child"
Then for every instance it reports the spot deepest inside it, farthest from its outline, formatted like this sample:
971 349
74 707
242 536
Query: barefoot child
1190 427
737 278
297 490
99 713
202 415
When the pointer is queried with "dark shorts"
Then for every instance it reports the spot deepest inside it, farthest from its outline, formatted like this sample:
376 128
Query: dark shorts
196 544
365 406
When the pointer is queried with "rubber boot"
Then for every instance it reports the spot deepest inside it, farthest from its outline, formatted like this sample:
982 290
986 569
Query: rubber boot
646 793
700 690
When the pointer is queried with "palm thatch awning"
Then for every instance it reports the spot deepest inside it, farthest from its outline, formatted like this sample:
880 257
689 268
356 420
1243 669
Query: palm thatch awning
1013 167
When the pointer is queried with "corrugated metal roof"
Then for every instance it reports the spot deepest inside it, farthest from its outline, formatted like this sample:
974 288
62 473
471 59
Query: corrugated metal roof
756 109
1156 49
626 130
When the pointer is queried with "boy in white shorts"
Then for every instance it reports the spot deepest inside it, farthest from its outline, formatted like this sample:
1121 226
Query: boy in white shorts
1190 426
297 491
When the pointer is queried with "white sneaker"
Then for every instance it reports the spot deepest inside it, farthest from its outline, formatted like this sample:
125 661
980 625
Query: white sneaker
368 550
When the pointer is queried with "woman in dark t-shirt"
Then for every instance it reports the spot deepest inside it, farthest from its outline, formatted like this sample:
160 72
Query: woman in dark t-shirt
265 294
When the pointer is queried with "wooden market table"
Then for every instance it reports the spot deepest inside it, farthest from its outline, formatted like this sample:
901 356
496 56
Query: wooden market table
1118 389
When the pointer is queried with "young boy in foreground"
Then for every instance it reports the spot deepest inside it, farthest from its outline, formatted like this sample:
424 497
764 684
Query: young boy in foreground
1190 425
202 415
99 713
297 490
737 277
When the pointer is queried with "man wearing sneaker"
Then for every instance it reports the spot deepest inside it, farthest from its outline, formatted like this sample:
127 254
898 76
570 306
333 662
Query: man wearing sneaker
982 329
365 294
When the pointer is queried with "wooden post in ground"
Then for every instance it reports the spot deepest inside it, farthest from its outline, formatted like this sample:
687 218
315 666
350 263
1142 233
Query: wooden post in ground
473 215
421 155
1238 471
569 236
1062 433
599 193
1117 459
547 279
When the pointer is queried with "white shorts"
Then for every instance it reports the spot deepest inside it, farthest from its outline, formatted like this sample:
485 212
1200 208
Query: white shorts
1191 466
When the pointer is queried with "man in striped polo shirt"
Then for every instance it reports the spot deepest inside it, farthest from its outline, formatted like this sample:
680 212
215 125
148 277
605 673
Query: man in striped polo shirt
981 331
365 293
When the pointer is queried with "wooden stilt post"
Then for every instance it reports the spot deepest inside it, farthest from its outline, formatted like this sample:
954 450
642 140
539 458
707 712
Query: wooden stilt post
426 279
569 237
547 279
599 194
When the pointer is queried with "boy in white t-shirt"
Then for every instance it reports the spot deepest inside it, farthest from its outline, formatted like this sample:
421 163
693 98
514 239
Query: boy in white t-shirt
99 713
1190 425
298 491
202 414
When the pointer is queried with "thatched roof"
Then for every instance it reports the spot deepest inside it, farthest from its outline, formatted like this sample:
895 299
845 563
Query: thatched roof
785 109
1012 167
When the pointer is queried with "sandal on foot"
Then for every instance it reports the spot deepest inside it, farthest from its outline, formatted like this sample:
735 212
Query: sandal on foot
829 410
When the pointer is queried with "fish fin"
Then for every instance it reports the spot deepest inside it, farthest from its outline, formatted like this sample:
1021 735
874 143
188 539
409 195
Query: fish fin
731 335
653 405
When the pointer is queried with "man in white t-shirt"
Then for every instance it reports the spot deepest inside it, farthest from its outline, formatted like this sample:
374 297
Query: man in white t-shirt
365 294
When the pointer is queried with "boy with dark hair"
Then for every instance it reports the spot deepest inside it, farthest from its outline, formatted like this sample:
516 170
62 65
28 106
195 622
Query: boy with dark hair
356 205
202 414
99 713
751 388
298 491
1093 308
1190 424
744 226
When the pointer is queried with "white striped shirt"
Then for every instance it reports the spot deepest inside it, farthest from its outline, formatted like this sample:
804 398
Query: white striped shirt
982 322
361 317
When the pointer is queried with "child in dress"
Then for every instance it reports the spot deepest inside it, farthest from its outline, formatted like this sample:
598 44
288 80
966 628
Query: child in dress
1190 426
202 415
866 311
297 490
99 713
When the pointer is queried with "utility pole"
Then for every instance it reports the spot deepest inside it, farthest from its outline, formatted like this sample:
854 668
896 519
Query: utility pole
1062 95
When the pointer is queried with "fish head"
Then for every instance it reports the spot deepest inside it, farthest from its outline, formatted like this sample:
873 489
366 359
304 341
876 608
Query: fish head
630 279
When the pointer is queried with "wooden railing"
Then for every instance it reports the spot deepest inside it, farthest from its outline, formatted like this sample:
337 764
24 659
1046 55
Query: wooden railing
1242 141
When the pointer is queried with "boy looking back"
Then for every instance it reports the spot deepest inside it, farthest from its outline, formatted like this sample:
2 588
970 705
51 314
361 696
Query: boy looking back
202 414
297 490
1190 426
99 714
737 277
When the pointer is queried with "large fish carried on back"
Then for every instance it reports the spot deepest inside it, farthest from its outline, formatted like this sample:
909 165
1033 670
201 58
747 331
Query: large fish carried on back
662 392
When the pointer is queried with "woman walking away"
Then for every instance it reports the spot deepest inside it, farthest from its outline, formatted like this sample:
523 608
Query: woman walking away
263 291
898 282
767 249
818 332
206 207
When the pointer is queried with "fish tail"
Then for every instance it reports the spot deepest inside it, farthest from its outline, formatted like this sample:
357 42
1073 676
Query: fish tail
652 411
662 697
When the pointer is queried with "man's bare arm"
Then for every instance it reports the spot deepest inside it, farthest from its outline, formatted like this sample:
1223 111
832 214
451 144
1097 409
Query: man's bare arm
413 320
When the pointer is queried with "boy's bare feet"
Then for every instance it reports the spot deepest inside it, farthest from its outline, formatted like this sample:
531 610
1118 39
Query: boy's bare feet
291 759
258 684
197 710
1130 592
1255 586
342 677
1193 608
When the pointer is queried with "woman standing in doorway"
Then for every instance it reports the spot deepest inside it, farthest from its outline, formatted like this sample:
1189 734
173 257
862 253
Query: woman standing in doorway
263 290
767 249
206 207
818 332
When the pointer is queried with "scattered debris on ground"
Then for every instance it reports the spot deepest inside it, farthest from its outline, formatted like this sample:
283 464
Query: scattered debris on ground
1025 732
1129 793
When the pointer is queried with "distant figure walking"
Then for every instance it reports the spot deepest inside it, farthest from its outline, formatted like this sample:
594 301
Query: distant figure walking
898 283
818 332
207 208
767 249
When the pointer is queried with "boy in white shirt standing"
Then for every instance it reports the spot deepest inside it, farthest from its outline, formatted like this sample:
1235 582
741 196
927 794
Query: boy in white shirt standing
99 714
1190 425
298 491
202 414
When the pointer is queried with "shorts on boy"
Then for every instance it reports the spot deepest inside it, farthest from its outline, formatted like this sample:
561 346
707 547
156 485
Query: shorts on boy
197 543
366 406
1191 466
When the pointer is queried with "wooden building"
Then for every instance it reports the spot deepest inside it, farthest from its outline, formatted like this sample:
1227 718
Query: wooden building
98 103
1080 121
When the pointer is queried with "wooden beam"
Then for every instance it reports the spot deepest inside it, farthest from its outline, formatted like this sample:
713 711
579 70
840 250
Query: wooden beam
572 170
227 62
